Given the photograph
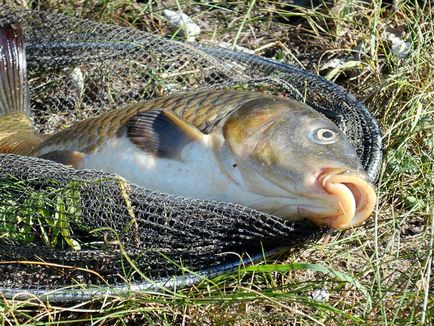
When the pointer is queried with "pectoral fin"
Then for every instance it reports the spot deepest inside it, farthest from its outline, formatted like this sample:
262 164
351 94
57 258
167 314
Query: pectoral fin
71 158
161 133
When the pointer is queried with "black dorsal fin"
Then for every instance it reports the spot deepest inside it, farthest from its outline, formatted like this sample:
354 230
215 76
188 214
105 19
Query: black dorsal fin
13 79
161 133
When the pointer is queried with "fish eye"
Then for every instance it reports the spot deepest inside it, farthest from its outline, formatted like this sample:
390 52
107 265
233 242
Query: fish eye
325 136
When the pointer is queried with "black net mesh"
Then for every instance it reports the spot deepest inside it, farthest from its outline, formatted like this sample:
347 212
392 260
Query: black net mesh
93 220
92 228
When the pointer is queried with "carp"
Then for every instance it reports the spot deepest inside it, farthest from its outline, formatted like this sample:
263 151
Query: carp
270 153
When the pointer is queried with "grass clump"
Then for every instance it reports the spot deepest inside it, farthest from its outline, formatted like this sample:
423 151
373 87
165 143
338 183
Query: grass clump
39 215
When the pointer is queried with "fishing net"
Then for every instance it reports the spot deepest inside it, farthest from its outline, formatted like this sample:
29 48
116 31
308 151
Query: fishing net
87 232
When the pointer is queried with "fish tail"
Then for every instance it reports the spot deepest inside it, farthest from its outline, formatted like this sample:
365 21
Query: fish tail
16 131
13 92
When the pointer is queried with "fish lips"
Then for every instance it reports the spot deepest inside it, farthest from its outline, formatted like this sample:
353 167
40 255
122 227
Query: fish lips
353 195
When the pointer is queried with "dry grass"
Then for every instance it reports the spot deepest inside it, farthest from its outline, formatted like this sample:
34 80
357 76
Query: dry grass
390 257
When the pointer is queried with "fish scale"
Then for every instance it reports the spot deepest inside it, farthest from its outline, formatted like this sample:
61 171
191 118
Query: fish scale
203 110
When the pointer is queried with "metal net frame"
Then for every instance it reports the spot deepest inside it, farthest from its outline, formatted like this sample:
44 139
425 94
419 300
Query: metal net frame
95 231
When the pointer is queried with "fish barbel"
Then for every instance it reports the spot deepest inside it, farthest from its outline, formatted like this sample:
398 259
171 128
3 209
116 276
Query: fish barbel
270 153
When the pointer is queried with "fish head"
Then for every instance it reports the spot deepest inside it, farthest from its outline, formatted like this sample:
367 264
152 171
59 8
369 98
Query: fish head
300 162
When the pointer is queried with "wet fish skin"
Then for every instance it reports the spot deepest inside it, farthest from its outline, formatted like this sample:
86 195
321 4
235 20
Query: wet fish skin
270 153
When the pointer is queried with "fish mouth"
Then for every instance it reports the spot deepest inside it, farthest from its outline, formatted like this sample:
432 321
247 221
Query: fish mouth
354 194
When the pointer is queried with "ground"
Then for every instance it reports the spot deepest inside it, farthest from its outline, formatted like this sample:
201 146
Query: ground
382 52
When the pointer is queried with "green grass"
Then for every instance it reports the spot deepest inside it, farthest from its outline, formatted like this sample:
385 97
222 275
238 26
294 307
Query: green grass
380 273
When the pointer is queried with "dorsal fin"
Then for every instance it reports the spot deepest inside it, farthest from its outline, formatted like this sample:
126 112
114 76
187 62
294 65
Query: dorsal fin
161 133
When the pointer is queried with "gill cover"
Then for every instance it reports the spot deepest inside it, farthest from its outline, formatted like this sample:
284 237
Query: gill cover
245 126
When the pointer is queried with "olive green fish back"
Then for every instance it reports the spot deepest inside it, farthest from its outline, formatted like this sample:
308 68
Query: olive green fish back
203 109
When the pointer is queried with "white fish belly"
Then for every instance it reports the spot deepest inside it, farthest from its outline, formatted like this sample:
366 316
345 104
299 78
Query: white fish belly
197 174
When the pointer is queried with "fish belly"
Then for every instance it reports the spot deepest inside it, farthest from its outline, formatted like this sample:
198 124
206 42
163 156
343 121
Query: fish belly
195 174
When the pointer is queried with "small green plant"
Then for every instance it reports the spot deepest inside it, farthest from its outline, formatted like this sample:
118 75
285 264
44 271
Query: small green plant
46 213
